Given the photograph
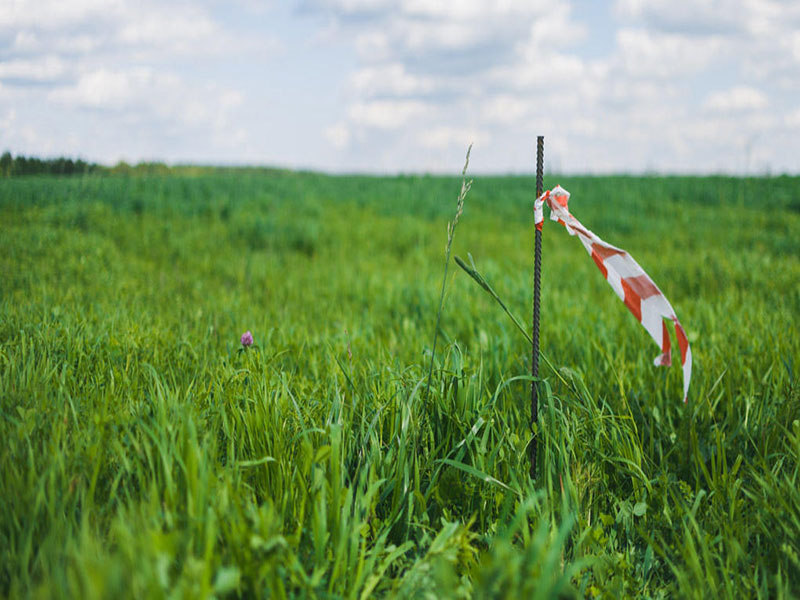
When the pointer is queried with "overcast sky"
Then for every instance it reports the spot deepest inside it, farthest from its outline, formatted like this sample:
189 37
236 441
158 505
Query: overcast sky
405 85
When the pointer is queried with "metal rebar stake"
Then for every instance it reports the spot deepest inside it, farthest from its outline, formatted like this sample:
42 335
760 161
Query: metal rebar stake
537 273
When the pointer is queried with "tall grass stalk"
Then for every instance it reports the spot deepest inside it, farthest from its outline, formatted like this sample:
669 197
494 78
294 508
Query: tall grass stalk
472 271
451 233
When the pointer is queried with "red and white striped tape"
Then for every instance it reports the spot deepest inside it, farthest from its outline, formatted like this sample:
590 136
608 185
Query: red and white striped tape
633 286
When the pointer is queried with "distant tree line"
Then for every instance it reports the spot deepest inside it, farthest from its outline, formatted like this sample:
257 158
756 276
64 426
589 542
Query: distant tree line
14 166
30 165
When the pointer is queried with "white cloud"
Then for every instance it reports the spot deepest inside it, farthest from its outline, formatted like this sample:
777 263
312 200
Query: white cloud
444 138
545 73
737 99
649 54
144 93
7 120
473 9
25 41
351 7
794 43
112 90
188 31
390 79
438 74
114 65
665 94
42 69
54 14
148 29
338 135
506 109
429 30
406 84
793 119
701 17
432 9
387 114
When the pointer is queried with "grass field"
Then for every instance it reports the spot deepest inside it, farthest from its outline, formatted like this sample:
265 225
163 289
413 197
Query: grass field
146 454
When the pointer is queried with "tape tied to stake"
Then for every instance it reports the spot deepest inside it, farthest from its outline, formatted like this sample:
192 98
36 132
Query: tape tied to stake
538 210
627 278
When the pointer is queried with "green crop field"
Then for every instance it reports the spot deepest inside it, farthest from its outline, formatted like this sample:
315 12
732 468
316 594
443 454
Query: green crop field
145 453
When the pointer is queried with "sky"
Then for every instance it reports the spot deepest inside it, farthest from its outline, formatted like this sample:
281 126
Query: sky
387 86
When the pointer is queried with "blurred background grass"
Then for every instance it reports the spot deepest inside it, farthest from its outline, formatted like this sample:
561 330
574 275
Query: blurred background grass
145 454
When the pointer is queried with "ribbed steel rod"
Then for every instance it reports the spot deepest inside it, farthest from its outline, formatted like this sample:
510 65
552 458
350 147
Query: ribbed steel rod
537 277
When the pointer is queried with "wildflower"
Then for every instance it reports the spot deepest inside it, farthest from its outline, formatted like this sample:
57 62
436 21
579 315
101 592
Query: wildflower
247 339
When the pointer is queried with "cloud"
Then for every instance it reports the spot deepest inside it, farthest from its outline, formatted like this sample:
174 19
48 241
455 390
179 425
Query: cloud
52 15
113 90
436 74
387 114
142 93
26 71
147 29
443 138
390 80
737 98
506 108
406 84
701 17
651 55
126 68
678 86
7 120
434 36
793 119
338 135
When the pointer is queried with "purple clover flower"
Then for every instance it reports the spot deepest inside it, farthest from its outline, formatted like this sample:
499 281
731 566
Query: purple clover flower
247 339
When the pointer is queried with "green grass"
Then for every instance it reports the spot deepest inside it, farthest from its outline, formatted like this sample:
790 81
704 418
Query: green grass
144 454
